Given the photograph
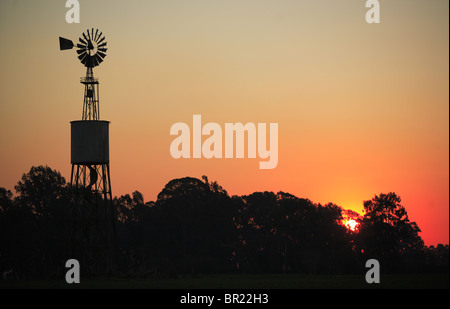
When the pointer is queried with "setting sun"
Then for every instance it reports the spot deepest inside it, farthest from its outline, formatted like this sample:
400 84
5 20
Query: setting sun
351 224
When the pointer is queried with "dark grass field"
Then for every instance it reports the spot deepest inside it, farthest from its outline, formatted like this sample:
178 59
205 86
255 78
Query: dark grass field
244 282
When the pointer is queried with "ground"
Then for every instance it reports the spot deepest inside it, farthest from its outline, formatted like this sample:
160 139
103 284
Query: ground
427 281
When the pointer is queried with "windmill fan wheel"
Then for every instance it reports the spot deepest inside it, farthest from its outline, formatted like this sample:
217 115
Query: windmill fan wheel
91 48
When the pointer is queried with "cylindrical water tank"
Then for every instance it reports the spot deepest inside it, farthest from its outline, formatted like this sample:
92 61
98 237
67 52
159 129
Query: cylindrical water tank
90 142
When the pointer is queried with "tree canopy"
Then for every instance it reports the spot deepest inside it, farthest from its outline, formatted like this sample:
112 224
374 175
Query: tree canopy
195 227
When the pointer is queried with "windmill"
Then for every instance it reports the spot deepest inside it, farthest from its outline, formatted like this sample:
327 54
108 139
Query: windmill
91 51
93 234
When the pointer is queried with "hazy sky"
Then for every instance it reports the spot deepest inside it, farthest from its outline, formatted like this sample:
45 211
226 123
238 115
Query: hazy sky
362 108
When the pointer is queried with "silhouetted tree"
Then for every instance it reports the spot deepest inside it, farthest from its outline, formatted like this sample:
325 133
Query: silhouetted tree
8 219
5 201
136 234
437 259
198 226
40 188
283 233
34 226
258 249
387 234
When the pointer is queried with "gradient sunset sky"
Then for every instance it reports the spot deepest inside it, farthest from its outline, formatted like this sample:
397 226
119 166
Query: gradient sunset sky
362 109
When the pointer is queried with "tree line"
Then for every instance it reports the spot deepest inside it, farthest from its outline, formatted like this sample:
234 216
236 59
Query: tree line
196 227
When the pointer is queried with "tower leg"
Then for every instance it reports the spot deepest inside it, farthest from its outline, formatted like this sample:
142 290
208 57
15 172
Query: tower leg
93 230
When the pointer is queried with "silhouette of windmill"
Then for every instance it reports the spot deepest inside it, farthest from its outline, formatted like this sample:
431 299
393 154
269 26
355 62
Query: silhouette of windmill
93 235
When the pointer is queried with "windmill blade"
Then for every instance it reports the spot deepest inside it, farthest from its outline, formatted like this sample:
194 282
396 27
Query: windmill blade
96 32
99 59
81 46
101 45
65 44
102 49
85 60
89 36
101 40
101 54
99 36
82 41
84 36
80 51
92 34
82 56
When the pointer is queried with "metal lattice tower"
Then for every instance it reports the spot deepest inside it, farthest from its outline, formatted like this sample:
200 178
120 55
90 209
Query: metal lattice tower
91 107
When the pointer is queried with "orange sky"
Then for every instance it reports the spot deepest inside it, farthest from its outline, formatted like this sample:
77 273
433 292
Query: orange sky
362 109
